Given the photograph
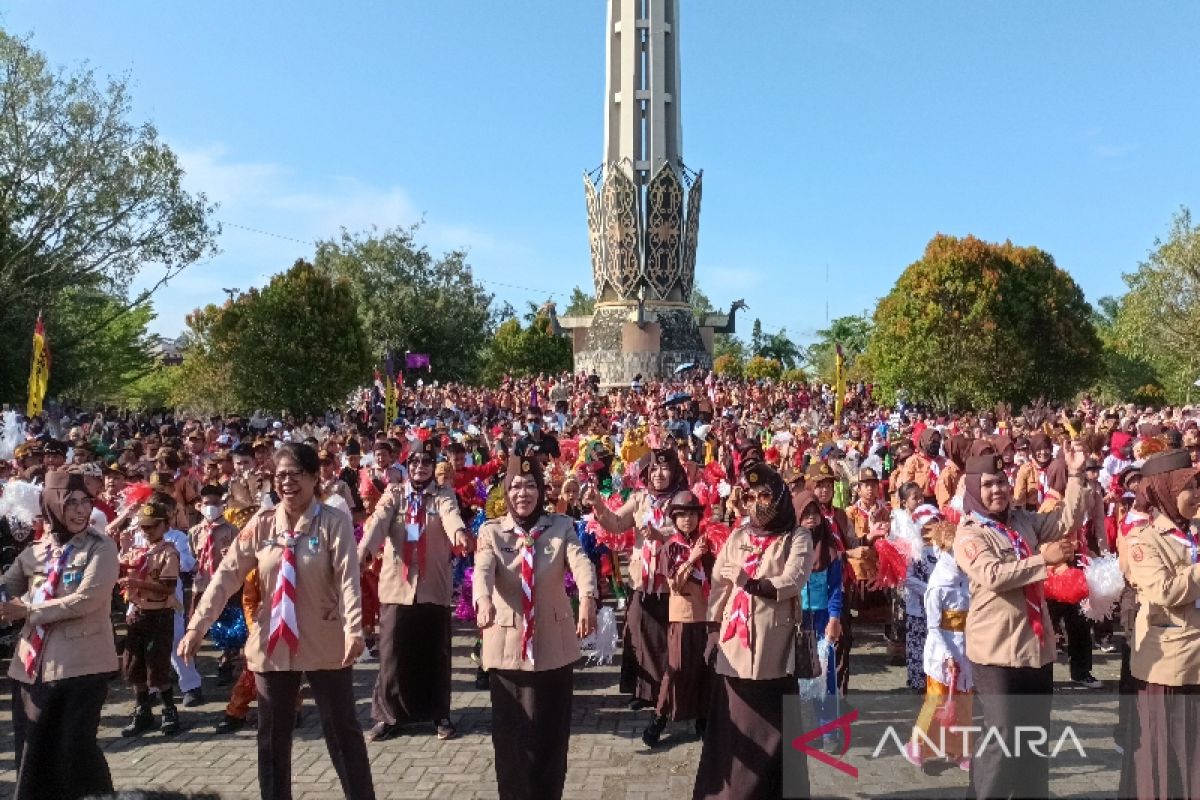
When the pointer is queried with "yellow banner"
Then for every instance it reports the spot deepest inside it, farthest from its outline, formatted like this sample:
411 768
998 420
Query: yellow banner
839 385
39 370
389 401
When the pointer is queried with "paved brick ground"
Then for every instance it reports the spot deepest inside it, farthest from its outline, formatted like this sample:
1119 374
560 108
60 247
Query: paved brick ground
607 758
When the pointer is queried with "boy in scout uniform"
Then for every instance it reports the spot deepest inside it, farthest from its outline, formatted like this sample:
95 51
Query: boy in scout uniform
417 523
209 541
149 584
1009 635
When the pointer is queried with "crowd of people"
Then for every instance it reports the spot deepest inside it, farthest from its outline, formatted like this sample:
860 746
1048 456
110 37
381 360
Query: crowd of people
746 534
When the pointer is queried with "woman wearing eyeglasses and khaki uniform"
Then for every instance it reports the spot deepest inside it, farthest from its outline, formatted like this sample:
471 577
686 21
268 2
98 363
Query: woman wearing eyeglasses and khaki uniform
310 628
530 636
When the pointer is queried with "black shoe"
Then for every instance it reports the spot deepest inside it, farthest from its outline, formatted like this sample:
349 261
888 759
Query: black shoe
637 705
481 680
143 720
446 730
170 720
653 732
230 725
382 732
193 698
225 675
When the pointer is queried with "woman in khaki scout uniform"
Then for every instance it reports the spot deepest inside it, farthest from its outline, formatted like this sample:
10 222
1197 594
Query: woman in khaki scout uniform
1160 559
687 683
756 582
62 587
417 523
530 637
644 650
311 629
1010 641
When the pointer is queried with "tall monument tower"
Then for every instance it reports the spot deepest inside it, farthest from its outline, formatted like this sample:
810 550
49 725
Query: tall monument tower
643 208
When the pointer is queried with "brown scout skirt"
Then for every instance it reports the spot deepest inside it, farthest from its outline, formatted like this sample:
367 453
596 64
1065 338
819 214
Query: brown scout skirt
687 684
531 731
644 645
1160 755
742 757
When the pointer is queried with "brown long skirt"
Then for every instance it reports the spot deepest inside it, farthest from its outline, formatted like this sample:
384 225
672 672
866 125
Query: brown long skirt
742 757
687 684
413 684
1161 757
644 646
531 730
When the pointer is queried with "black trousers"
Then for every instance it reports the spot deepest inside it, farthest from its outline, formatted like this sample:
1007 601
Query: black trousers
1078 630
1011 697
413 684
54 726
333 691
531 731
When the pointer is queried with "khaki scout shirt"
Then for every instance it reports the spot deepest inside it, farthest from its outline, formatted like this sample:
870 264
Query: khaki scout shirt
161 565
998 631
498 577
328 594
78 630
386 525
634 514
221 535
1166 638
785 564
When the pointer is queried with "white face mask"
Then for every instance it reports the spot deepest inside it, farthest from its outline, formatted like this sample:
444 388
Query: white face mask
212 513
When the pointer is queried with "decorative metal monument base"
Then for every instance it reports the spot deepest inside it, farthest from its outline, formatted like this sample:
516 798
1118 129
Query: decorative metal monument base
612 344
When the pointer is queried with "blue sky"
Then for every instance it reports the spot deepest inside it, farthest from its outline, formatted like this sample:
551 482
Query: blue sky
835 137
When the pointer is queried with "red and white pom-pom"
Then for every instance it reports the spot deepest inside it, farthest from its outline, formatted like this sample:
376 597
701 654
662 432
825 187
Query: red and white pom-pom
893 567
1066 586
713 473
1105 584
716 533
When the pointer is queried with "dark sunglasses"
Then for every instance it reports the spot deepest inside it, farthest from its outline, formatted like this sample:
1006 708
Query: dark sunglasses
420 460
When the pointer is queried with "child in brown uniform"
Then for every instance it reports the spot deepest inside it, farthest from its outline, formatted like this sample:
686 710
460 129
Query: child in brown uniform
149 583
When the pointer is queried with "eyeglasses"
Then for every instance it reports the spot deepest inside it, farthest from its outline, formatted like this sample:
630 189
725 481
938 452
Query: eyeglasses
77 503
420 460
283 475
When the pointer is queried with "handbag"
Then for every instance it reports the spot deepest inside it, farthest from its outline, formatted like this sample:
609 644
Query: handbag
807 661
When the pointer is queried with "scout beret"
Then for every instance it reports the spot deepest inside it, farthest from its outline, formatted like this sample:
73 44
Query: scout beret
866 475
64 481
153 511
819 471
760 474
683 502
989 464
1166 462
426 448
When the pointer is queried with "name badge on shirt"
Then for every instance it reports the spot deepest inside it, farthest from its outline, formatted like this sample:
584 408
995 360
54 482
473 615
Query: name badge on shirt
412 531
508 549
746 548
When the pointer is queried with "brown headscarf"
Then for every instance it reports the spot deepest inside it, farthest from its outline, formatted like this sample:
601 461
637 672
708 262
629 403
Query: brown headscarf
973 498
60 483
926 439
1002 444
670 457
531 468
778 516
825 542
958 449
1162 483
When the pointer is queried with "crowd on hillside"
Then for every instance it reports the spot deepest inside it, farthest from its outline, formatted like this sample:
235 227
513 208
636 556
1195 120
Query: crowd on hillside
746 535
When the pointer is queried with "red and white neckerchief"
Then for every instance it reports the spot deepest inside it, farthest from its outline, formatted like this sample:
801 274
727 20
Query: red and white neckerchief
831 518
1043 483
1188 540
739 616
1033 591
207 558
935 470
654 568
33 648
284 624
1133 519
528 549
414 539
679 556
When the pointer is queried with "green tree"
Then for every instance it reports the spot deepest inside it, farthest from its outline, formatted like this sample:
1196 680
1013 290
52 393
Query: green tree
581 304
89 198
1159 316
728 366
1126 373
519 351
295 345
408 300
756 338
95 362
974 323
780 348
761 368
853 333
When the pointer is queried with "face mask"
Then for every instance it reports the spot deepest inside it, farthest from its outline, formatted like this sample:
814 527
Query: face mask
1019 459
212 513
934 449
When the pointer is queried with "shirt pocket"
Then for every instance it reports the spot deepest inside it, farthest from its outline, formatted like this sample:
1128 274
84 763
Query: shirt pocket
77 630
506 618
